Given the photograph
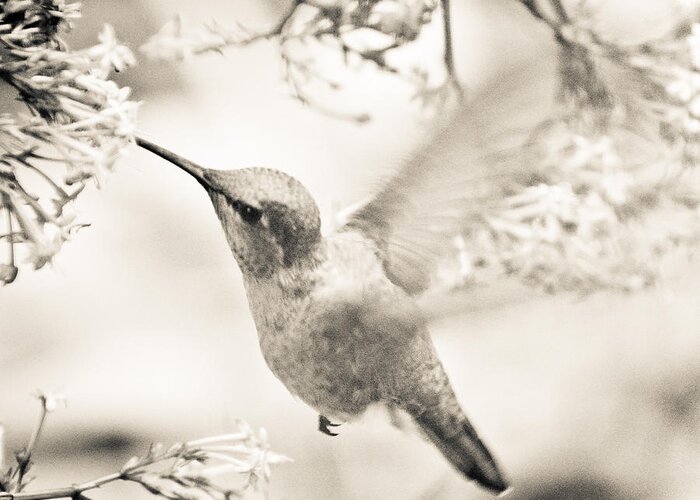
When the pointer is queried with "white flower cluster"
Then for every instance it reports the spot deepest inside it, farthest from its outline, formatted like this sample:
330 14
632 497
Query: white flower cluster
196 465
80 123
617 187
568 233
201 469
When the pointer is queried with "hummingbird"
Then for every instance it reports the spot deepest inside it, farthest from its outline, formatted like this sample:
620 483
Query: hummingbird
336 315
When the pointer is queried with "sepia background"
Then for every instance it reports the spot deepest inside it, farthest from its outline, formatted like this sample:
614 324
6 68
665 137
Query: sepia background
142 320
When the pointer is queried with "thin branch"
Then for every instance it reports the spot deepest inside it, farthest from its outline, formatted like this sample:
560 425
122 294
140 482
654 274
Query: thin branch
75 491
277 29
296 71
25 456
67 492
449 52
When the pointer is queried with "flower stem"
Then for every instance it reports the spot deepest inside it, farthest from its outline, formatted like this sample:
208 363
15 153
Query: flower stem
67 492
24 458
449 51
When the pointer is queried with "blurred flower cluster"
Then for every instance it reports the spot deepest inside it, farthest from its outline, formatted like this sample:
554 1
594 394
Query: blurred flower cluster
78 123
616 185
355 31
194 470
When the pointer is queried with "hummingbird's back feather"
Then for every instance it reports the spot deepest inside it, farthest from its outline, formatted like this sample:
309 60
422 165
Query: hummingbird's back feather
446 188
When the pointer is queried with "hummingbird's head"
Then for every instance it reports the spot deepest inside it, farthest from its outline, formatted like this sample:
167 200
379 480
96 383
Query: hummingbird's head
270 219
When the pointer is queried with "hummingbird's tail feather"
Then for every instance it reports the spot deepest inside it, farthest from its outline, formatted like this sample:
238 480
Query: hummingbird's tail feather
460 444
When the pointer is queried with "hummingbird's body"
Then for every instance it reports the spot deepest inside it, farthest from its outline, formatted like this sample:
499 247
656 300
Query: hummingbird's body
341 336
297 313
323 342
336 316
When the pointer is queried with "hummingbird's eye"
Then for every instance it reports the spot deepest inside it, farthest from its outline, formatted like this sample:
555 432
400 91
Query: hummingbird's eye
249 214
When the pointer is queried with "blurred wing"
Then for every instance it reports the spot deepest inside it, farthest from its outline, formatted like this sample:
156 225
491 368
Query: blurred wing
447 187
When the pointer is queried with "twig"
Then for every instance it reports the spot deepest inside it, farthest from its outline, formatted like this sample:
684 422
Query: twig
24 457
67 492
277 30
75 491
296 71
449 52
273 32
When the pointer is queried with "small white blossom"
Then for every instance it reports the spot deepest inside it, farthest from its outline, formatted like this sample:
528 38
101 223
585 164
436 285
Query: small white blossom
51 401
196 465
109 53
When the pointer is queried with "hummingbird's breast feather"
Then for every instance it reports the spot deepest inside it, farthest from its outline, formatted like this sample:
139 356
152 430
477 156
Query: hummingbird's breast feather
332 333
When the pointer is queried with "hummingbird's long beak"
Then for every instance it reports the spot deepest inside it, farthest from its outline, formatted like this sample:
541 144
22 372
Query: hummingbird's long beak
191 168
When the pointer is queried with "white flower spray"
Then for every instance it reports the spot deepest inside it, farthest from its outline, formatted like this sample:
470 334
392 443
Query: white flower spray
78 124
311 29
200 469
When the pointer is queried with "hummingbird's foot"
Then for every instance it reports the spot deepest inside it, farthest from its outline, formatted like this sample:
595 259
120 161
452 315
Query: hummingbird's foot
324 424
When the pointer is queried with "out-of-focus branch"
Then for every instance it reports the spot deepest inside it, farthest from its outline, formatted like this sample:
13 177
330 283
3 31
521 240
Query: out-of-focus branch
339 26
279 28
173 43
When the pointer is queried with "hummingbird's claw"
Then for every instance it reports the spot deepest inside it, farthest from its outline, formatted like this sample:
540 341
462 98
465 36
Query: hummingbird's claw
324 424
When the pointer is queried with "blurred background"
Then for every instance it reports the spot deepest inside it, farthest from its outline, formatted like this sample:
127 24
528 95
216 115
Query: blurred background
142 320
